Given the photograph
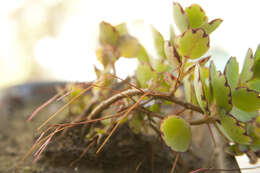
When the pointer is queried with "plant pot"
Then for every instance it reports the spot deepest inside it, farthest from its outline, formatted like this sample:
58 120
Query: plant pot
125 151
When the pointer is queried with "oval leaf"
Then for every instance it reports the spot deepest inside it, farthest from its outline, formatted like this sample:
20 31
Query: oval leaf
246 99
129 46
143 56
176 133
196 16
211 26
108 34
192 43
158 42
231 73
180 17
122 29
144 73
247 70
221 90
233 129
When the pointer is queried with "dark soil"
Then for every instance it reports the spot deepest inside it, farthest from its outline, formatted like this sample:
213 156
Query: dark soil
126 152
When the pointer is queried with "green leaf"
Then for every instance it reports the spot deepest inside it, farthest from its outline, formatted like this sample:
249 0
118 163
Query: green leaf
176 133
247 70
231 73
196 16
253 131
211 26
199 86
158 42
246 99
144 73
192 43
257 63
143 56
233 128
108 34
180 17
171 54
172 35
122 29
254 85
129 46
243 116
221 90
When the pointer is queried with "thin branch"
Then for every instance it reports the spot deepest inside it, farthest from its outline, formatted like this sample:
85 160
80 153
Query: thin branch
134 92
149 113
175 100
207 120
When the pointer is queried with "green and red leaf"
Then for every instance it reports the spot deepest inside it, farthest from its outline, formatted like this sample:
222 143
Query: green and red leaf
176 133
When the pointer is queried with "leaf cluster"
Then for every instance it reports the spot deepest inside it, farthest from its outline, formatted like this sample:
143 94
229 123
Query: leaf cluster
178 75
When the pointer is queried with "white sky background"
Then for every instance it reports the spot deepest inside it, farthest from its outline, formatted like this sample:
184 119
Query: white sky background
74 48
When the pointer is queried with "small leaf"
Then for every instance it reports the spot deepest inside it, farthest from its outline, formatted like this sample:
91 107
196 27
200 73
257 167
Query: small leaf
108 34
143 55
176 133
231 73
144 73
199 86
105 55
192 43
221 90
257 63
129 46
233 128
211 26
122 29
253 131
196 16
246 99
172 35
180 17
158 42
243 116
254 85
247 70
171 54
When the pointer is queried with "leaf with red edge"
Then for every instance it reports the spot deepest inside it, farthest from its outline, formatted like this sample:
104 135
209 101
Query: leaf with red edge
211 26
231 73
193 43
196 15
247 70
176 133
246 99
221 89
180 17
233 128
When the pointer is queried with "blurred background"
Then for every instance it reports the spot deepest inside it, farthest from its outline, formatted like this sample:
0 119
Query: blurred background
56 39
